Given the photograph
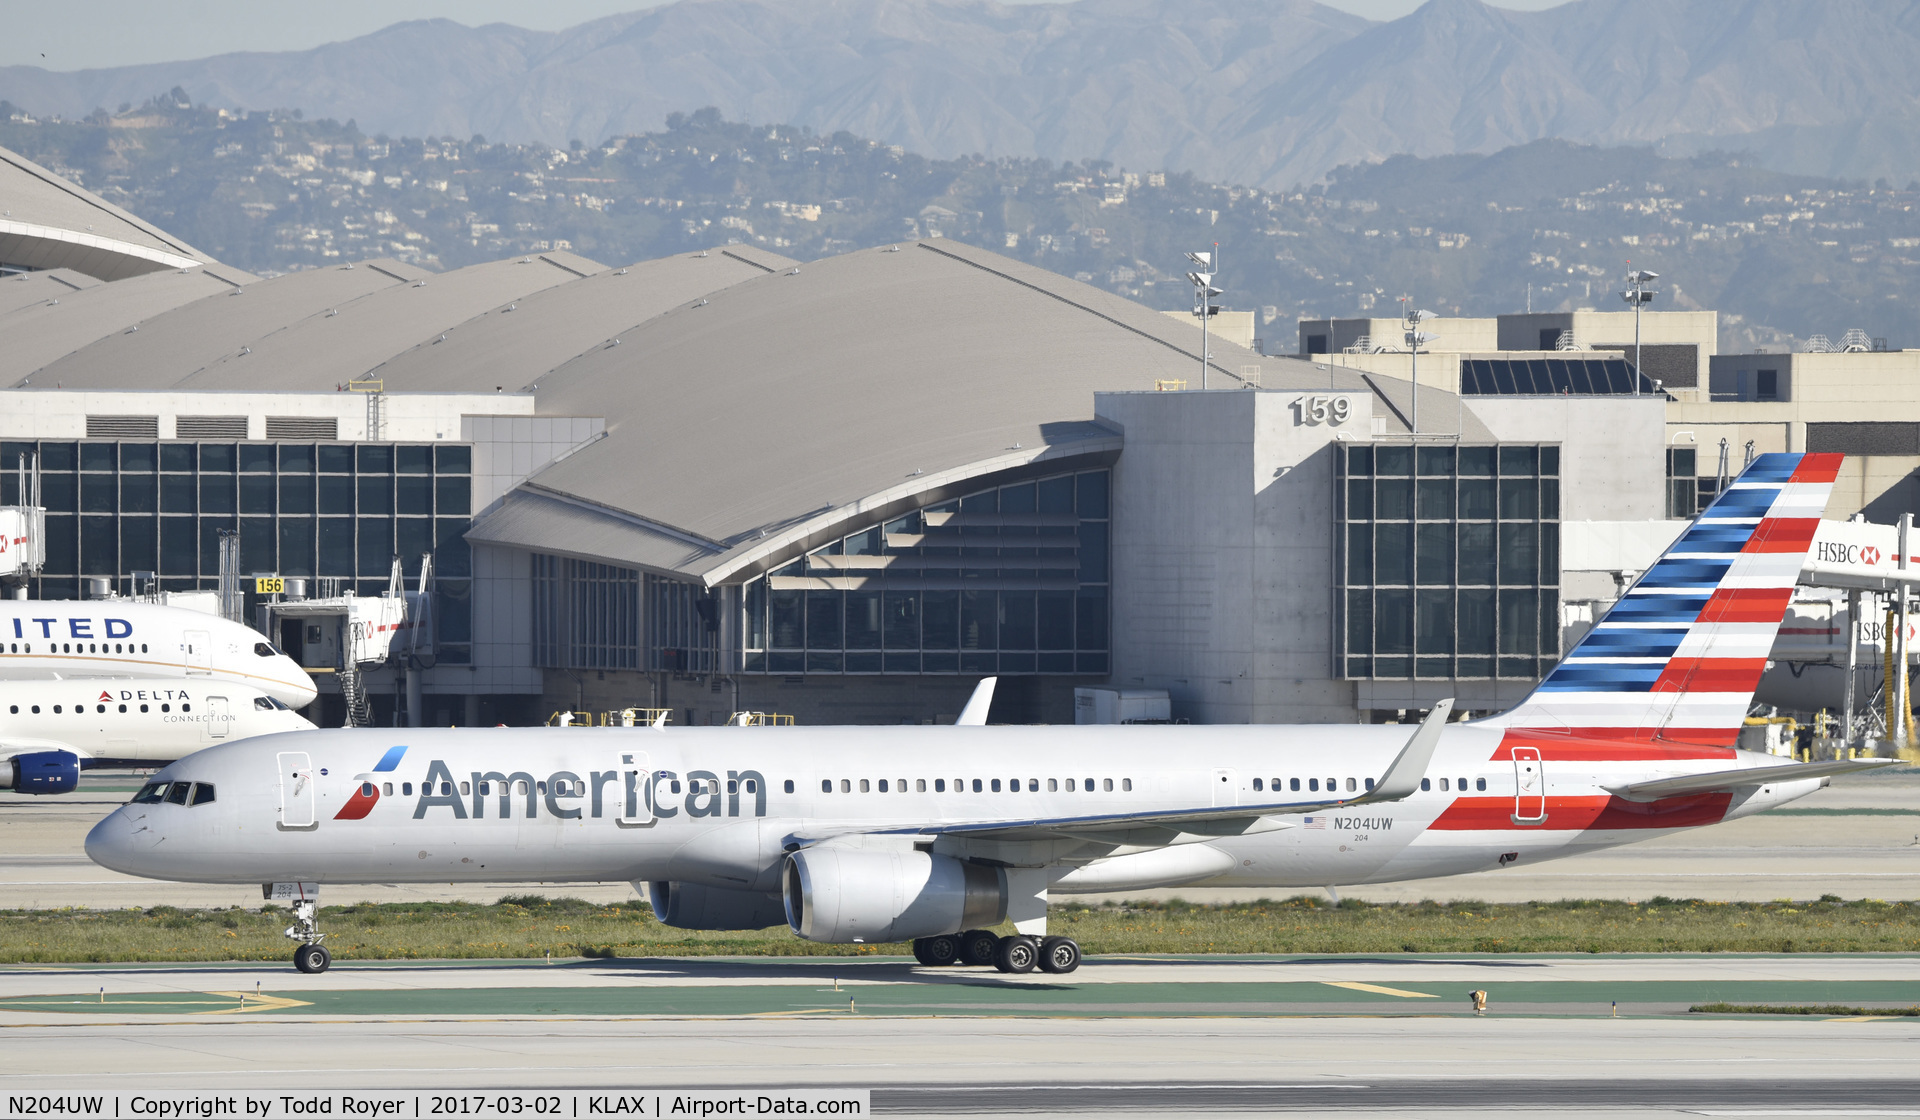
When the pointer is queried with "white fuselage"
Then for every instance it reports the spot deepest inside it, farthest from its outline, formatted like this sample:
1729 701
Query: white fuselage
550 805
117 638
136 720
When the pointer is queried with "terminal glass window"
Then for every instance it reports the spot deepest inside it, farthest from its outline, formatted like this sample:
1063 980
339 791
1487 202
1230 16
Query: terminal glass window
327 510
1011 579
1451 561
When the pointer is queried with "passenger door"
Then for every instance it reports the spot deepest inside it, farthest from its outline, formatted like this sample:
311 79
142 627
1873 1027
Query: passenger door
296 793
197 652
219 720
635 809
1529 786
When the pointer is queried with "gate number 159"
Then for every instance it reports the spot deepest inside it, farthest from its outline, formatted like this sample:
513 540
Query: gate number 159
1322 410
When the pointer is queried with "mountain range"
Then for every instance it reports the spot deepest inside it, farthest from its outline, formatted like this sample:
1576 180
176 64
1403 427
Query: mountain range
1268 93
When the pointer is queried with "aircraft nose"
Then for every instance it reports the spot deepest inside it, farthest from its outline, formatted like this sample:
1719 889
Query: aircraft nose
116 842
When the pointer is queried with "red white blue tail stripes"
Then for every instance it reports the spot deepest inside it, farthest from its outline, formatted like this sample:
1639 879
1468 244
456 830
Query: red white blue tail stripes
1678 657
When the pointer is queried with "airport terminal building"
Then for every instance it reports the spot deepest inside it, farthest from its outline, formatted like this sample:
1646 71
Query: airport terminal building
843 489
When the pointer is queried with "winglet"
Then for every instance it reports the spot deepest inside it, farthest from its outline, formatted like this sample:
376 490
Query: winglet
1403 777
975 713
660 720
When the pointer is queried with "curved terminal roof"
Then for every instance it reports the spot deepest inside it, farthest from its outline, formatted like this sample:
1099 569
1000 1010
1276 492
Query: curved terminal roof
39 287
42 333
48 222
740 423
322 350
174 345
512 350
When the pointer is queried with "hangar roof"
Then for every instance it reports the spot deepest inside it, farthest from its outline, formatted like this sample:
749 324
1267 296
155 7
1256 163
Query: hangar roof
513 350
179 342
322 350
42 333
49 222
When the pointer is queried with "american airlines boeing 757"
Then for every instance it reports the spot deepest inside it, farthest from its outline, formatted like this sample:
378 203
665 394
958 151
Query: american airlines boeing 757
935 834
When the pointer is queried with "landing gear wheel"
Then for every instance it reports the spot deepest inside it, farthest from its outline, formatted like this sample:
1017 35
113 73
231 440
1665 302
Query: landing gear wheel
979 946
1059 955
937 951
312 958
1016 954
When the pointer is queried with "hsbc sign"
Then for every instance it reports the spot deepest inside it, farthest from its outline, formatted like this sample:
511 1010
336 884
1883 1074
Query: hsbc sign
1844 552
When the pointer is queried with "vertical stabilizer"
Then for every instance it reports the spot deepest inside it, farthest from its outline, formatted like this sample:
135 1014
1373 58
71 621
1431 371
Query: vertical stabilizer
1678 657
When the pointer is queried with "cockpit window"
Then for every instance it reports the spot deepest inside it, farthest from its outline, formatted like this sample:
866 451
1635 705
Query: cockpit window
277 705
262 704
202 793
177 795
262 649
150 794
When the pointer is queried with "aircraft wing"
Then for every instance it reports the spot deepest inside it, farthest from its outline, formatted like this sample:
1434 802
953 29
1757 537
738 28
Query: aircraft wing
1752 776
1170 826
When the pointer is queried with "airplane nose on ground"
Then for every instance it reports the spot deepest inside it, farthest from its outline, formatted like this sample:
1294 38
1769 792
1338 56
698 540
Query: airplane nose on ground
115 844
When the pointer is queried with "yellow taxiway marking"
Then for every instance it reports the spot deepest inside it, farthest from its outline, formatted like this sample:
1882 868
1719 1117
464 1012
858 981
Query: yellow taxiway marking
249 1001
1355 985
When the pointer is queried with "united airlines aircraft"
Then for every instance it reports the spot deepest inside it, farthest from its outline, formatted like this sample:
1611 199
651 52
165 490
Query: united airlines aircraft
46 639
936 834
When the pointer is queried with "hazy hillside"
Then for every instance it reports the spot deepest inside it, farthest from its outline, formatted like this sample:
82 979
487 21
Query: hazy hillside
1776 254
1267 92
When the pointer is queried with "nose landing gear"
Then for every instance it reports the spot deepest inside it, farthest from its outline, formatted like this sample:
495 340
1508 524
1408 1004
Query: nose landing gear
311 956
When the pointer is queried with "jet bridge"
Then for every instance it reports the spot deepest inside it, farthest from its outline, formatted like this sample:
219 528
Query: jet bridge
23 531
349 635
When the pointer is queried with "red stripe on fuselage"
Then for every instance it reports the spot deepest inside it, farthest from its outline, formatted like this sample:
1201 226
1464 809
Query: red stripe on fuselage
1783 534
1597 812
1747 604
358 806
1818 466
1711 674
1620 744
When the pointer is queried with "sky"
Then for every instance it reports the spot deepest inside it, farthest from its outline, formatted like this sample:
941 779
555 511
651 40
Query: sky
82 34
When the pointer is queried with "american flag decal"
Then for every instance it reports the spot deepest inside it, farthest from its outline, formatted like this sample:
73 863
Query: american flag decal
1315 822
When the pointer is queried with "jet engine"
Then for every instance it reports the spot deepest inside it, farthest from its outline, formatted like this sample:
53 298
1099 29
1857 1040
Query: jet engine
692 906
41 772
845 895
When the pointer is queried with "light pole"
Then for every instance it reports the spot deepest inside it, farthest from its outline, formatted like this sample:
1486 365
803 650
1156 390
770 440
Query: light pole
1415 338
1638 294
1203 305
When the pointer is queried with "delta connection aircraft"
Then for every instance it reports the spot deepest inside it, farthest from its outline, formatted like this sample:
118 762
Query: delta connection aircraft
52 730
44 639
934 834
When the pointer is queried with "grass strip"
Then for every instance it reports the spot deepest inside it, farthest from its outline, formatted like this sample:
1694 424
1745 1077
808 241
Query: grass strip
1800 1009
537 926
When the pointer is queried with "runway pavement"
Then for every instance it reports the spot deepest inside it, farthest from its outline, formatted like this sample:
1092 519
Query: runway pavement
1859 838
1146 1035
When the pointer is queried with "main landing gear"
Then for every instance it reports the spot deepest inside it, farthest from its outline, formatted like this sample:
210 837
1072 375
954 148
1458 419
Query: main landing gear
311 956
1016 954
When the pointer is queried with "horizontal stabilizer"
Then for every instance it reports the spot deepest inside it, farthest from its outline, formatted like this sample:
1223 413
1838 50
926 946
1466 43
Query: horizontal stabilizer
1752 776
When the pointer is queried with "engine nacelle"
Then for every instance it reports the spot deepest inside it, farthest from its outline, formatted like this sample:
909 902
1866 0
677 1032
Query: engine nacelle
41 772
842 895
692 906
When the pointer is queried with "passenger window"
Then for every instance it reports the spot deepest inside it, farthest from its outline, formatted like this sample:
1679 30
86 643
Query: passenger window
177 794
166 707
1426 784
865 787
754 787
976 785
1256 783
123 707
1069 785
143 707
184 707
465 788
826 785
939 785
919 785
520 787
1107 784
1352 785
1480 783
883 786
901 786
1443 785
446 789
733 785
56 709
387 788
996 785
1313 784
1293 784
1126 785
36 709
1087 784
1033 785
406 789
1053 785
846 786
97 708
366 789
143 647
789 785
1461 785
1369 785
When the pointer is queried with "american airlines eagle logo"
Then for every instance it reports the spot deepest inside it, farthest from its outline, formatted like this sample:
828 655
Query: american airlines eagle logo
368 795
